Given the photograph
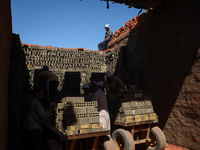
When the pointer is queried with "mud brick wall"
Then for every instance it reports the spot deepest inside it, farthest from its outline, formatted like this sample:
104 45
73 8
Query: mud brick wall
5 48
161 56
117 63
74 67
165 48
67 64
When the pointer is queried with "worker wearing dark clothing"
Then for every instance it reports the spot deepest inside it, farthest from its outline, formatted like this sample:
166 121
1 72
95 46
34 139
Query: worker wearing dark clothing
33 123
51 83
108 37
114 85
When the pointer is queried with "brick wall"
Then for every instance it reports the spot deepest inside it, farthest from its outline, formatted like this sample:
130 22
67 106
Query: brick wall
165 48
160 55
74 67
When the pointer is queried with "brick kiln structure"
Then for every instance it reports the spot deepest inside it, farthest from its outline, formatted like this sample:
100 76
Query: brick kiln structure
158 51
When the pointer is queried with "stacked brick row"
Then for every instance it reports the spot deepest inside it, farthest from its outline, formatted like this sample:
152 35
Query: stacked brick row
135 107
60 58
74 116
62 61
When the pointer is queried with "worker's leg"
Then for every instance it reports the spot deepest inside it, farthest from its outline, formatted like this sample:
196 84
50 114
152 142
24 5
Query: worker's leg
104 119
105 43
27 140
36 139
100 46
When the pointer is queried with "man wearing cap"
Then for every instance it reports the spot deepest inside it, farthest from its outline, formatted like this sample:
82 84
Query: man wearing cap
87 94
114 85
50 81
101 99
108 37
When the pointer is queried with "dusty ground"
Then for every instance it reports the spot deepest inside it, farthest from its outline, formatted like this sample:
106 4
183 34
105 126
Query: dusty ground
173 147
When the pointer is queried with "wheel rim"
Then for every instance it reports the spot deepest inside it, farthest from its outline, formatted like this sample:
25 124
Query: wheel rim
152 141
120 143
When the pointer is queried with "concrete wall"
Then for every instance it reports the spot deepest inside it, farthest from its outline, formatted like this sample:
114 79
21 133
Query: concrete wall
165 48
5 47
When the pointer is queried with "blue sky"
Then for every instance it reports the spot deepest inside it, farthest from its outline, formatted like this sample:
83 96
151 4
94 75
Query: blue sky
67 23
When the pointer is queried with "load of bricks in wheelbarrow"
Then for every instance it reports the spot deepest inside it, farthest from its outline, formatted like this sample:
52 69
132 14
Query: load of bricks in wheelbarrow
75 116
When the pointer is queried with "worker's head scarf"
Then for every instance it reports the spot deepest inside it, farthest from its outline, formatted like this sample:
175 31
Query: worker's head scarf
100 83
85 86
107 26
108 74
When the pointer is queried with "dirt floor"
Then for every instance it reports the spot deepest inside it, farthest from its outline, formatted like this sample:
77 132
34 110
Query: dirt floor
173 147
168 147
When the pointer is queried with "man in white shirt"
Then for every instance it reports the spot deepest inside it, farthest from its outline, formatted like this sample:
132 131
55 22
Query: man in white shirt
102 46
33 123
101 99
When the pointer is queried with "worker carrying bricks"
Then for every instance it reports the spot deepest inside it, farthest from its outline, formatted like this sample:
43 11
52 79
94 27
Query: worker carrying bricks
114 85
101 99
33 123
50 81
87 94
108 37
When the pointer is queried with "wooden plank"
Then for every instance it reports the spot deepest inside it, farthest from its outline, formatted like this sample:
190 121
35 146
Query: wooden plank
140 141
148 132
66 145
86 135
60 136
72 144
95 143
132 131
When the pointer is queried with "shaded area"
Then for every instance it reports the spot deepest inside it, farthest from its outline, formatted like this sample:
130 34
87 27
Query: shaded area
164 50
5 50
20 94
71 84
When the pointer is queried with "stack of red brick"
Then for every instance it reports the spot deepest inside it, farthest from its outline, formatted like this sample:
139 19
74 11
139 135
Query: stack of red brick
124 30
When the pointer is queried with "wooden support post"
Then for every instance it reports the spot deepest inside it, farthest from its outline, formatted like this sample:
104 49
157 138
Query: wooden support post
81 145
66 145
148 132
88 143
95 143
132 131
72 144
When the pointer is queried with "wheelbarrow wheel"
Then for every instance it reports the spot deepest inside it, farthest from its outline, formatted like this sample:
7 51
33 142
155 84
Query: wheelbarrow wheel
123 140
105 143
52 145
157 139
